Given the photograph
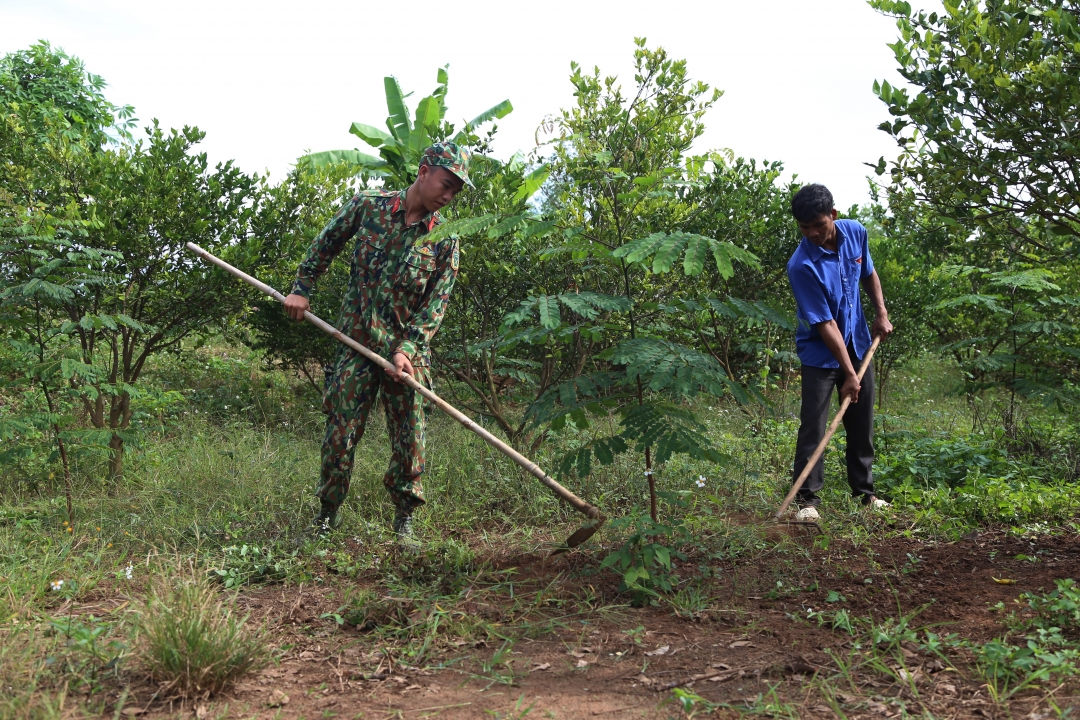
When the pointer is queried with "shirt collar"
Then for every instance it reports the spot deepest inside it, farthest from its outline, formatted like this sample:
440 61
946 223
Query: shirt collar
816 253
427 220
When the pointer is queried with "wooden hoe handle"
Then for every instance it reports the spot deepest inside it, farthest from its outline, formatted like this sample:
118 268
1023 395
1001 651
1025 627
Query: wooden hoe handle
531 467
828 433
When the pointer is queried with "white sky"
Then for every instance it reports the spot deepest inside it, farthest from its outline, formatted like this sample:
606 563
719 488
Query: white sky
270 80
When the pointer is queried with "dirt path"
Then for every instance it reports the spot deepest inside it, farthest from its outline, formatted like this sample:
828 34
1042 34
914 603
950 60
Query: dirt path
748 649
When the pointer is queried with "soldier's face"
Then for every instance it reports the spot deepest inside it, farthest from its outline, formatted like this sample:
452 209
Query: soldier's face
437 186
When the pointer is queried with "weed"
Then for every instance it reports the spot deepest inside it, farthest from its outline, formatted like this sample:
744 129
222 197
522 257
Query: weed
645 559
691 602
192 643
244 564
367 611
839 620
691 703
1059 608
517 712
637 635
768 704
499 668
1007 669
93 652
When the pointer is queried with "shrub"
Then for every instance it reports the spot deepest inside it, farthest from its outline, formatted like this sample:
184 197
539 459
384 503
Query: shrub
193 643
644 561
1059 608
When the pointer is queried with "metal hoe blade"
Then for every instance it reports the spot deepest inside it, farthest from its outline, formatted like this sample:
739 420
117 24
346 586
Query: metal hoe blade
580 535
815 528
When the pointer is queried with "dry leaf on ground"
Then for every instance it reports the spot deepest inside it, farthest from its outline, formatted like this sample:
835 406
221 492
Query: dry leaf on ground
277 699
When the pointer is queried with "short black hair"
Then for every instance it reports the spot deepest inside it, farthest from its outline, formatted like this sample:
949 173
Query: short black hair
811 202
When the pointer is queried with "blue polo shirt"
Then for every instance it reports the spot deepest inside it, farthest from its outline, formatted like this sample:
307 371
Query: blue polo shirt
826 287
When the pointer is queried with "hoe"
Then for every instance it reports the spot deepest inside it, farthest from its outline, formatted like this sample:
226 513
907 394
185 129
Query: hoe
580 535
823 444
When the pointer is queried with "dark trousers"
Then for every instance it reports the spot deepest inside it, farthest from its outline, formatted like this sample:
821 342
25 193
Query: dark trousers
817 391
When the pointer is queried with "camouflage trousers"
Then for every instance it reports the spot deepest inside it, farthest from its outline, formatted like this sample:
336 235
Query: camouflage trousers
352 389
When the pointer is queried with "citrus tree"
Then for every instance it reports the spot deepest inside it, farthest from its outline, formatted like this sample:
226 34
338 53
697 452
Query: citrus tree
989 150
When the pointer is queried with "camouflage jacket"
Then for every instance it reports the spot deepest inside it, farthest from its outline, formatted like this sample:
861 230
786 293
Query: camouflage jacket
400 282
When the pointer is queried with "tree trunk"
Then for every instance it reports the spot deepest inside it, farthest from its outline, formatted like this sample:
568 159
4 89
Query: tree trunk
119 419
116 457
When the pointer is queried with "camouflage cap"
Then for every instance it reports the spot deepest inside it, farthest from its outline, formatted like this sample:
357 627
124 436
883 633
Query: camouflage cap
451 157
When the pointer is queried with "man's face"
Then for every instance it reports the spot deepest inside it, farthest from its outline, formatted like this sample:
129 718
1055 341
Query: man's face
437 187
821 230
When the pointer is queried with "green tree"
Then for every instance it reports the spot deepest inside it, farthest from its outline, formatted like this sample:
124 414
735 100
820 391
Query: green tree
152 198
501 237
907 251
137 205
989 138
43 264
620 184
50 84
400 148
987 180
745 322
605 325
287 218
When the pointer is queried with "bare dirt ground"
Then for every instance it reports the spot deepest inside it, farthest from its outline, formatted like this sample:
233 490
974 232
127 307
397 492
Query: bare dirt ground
749 648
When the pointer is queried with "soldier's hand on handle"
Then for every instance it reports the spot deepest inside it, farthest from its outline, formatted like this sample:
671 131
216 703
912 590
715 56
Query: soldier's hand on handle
296 305
402 366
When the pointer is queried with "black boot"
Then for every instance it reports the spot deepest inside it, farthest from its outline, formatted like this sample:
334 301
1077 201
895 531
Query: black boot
326 520
403 528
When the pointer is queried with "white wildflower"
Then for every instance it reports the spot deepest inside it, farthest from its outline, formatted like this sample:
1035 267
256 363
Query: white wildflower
56 585
701 481
128 571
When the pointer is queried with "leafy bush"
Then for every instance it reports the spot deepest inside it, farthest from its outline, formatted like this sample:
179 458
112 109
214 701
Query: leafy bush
644 561
936 461
245 564
1060 608
955 482
193 644
1044 656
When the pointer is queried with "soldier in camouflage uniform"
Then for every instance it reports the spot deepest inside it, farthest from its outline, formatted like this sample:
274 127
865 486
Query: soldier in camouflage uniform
399 286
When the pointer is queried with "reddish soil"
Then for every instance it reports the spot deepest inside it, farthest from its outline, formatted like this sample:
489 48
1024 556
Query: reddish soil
752 638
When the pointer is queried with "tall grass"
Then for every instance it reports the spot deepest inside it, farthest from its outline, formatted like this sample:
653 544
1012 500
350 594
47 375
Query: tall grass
192 642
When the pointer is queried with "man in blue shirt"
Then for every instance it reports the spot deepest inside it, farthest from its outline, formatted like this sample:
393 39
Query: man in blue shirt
832 338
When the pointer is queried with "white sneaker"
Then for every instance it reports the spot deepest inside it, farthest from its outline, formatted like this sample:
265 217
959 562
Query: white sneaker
808 514
879 504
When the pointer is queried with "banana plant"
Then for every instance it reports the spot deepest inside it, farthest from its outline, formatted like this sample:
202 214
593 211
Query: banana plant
400 148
